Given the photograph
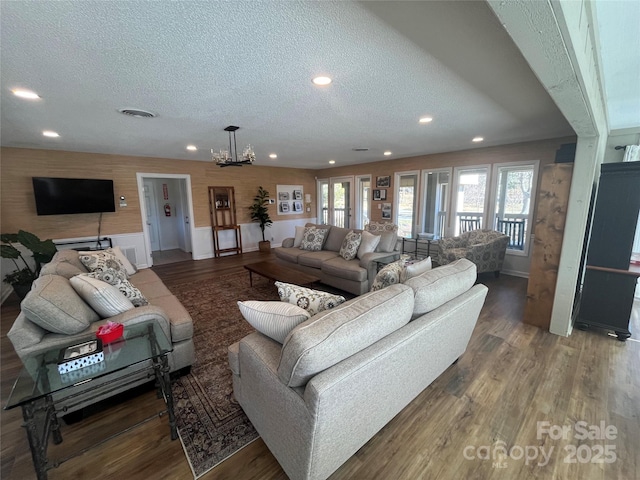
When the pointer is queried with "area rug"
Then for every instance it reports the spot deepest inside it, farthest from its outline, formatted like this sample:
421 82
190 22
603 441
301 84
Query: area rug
211 424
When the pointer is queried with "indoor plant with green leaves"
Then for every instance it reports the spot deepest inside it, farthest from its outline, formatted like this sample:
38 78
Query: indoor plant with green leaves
259 211
25 273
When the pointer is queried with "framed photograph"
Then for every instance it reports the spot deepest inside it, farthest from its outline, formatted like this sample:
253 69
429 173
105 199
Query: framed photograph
379 194
283 196
297 206
284 206
383 182
297 195
386 210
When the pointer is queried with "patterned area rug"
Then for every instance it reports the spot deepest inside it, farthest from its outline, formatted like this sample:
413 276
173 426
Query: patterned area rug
212 425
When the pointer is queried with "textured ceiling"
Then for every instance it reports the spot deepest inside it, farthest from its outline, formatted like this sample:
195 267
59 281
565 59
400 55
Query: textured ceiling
201 66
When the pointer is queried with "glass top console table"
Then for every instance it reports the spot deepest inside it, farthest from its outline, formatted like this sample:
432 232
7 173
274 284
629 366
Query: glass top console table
418 247
39 387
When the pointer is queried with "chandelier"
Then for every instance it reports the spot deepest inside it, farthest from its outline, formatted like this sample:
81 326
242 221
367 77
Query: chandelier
227 158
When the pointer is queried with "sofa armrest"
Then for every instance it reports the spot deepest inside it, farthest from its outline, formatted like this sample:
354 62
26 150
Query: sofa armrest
144 314
288 242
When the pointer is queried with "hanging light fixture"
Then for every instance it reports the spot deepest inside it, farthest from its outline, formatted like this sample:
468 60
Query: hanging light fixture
227 158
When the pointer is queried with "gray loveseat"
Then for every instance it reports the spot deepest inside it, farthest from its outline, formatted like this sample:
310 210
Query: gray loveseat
343 374
53 288
354 276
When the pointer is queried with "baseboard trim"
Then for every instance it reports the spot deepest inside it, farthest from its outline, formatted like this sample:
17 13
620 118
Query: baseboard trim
515 273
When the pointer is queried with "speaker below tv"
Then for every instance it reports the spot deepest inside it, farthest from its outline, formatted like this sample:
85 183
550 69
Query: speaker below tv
61 196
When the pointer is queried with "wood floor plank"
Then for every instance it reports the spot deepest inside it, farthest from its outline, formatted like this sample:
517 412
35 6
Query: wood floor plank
511 377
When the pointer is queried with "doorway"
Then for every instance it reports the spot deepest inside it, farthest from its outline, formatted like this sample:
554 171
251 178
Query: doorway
167 210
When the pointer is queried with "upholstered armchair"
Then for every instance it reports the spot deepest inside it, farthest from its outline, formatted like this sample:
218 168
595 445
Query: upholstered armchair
485 248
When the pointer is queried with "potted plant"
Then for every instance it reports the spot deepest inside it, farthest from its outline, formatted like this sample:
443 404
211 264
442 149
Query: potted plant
260 213
24 275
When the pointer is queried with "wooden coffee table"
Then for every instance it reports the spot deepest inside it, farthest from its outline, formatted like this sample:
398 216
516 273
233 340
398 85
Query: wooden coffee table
280 273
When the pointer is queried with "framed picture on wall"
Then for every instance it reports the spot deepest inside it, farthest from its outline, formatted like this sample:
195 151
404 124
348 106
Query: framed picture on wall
297 206
383 182
386 210
283 195
297 194
284 207
380 194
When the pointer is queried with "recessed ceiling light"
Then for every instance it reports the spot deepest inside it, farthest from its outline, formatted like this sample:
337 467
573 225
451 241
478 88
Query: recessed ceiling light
387 153
192 148
321 81
273 155
332 162
18 92
49 133
477 139
426 119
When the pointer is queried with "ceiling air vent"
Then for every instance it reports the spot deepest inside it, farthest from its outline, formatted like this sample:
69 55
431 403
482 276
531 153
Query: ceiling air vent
134 112
360 149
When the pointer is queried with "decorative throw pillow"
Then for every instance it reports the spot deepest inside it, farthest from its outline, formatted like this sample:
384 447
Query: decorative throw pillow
313 301
388 233
313 238
105 299
273 319
415 268
128 266
100 260
368 243
389 275
350 245
298 237
118 278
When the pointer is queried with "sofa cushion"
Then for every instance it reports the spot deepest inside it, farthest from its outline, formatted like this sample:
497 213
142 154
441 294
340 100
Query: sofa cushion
350 244
368 243
144 276
436 287
313 301
313 239
153 290
347 269
105 299
290 254
273 319
54 305
69 256
335 238
101 260
297 239
331 336
118 278
179 319
315 259
64 269
415 268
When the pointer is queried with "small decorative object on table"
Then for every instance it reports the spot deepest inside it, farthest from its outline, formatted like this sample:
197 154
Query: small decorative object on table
110 332
80 356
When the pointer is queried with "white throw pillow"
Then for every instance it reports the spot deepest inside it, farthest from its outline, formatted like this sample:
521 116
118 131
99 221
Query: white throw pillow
105 299
368 243
298 237
273 319
413 269
350 245
313 301
118 278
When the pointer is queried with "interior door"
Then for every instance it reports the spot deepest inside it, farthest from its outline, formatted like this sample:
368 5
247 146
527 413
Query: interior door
341 198
185 238
152 214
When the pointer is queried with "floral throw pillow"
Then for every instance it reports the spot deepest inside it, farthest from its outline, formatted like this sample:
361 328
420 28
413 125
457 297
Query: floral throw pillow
350 245
389 275
313 238
118 278
313 301
101 260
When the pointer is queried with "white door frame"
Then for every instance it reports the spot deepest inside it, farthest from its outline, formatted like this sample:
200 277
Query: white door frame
145 231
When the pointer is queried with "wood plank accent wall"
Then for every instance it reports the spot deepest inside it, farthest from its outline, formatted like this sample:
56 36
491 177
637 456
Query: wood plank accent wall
551 214
543 150
18 209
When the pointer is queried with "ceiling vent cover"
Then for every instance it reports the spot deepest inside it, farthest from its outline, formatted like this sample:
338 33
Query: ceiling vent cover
134 112
360 149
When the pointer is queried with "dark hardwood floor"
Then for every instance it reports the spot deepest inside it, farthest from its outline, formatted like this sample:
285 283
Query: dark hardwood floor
511 377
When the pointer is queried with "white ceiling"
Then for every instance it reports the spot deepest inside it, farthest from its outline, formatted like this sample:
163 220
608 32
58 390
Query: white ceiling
201 66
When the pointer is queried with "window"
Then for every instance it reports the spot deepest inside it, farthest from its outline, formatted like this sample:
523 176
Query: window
470 200
512 194
406 185
323 202
436 185
363 201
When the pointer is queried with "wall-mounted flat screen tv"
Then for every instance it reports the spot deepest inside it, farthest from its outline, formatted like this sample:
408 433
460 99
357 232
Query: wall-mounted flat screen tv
60 196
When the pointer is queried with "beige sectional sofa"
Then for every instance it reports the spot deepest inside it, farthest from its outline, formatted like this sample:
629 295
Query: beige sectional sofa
344 373
354 276
62 306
